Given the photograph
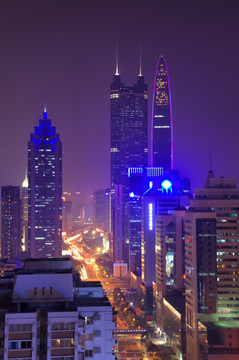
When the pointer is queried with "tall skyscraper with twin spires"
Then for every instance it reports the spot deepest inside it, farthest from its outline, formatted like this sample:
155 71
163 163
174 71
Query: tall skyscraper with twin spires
44 191
162 127
129 148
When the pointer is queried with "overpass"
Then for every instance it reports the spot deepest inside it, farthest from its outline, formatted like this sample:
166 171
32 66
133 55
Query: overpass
133 331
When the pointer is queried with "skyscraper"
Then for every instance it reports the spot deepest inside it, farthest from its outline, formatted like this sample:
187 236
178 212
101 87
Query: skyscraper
170 276
11 222
24 204
44 190
128 148
211 264
102 210
139 180
66 215
162 129
162 197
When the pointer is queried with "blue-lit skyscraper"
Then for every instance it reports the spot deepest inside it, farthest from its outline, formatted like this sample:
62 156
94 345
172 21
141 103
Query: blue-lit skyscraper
162 127
129 147
144 181
162 197
140 179
44 191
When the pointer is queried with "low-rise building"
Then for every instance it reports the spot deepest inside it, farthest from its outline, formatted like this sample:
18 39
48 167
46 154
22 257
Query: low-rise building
48 313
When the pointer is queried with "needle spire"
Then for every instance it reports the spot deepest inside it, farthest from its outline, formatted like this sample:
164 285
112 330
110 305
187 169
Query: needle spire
116 60
140 60
44 109
44 105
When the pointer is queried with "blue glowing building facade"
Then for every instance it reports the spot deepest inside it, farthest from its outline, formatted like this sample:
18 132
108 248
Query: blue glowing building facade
144 181
162 197
162 127
44 191
140 179
129 147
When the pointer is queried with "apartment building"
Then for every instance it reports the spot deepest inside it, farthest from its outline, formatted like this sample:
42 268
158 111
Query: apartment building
48 313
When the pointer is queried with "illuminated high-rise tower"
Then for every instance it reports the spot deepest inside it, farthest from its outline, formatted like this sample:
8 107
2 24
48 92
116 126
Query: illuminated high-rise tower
129 148
10 222
211 265
162 130
44 191
24 204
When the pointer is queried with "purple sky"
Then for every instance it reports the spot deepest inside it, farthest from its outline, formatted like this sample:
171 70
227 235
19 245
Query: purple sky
65 50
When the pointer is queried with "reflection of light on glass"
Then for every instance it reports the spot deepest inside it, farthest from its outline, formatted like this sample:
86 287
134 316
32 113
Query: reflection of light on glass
170 267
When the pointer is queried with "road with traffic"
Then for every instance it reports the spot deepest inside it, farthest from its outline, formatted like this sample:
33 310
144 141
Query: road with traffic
130 345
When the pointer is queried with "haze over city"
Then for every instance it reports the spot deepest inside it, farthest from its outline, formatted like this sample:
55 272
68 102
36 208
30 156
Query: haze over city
65 51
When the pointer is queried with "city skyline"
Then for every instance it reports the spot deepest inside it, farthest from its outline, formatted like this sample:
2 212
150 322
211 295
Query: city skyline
67 53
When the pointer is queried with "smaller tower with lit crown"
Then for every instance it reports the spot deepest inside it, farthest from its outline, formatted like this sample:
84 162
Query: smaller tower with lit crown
162 127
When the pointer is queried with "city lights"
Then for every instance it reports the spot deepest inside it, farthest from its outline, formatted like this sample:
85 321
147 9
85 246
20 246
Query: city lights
166 184
121 243
150 216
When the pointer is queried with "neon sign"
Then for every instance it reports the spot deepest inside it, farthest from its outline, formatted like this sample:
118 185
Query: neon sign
150 216
166 184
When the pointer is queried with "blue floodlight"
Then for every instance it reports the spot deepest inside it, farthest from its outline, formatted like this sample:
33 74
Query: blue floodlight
166 184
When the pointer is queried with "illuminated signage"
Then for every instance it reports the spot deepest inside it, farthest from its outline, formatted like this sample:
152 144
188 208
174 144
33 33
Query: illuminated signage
150 216
166 184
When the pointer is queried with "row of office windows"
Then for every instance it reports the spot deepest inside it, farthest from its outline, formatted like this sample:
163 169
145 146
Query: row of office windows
20 344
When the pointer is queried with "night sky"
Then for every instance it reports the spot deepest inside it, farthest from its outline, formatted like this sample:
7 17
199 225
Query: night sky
65 50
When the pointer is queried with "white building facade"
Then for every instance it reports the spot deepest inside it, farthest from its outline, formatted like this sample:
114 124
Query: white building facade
47 315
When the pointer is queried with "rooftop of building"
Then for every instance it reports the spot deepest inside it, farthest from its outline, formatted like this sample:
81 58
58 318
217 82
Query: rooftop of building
51 283
219 182
216 336
47 264
81 300
221 324
43 271
90 284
